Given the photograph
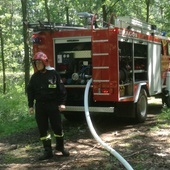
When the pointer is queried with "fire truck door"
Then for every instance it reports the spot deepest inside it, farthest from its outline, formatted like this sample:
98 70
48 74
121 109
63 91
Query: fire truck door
154 68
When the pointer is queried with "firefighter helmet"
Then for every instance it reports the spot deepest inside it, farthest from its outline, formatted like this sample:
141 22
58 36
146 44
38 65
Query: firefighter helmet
41 56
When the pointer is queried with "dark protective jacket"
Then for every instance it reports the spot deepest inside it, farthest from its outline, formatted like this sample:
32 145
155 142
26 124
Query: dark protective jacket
46 87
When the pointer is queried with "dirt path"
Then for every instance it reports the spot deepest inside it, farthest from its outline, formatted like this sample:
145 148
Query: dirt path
145 146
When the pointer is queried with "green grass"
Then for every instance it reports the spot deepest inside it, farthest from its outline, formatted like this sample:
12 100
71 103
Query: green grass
14 115
165 115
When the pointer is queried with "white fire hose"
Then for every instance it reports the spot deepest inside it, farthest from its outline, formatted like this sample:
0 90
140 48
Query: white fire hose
95 135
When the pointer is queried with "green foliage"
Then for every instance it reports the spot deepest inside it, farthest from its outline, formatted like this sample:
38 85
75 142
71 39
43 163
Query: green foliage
13 104
14 115
12 26
165 115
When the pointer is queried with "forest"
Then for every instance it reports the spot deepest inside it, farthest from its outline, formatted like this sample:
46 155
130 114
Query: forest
141 144
16 45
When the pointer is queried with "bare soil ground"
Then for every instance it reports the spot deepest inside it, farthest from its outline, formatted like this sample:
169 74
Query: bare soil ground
145 146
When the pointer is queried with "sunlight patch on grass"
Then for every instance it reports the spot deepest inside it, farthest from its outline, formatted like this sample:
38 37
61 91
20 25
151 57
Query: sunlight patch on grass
165 115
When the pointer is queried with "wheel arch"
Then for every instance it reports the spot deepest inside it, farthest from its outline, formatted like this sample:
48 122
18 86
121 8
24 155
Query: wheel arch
141 86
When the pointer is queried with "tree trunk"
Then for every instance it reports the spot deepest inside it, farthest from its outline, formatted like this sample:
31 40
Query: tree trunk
104 13
147 8
47 11
3 62
26 46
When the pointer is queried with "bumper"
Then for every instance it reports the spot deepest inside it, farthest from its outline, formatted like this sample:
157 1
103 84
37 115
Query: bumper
91 109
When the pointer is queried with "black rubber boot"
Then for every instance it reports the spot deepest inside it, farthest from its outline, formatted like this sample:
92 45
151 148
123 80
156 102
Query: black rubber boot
60 146
47 150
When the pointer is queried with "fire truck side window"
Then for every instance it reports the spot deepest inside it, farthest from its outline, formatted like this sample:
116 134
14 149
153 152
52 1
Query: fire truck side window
125 49
140 50
140 61
132 61
125 61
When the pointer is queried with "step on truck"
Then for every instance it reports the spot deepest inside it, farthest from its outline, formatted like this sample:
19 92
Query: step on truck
127 60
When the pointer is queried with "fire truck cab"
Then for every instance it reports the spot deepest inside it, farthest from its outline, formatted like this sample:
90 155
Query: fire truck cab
128 62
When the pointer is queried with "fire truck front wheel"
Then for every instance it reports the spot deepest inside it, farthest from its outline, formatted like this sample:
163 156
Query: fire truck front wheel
141 107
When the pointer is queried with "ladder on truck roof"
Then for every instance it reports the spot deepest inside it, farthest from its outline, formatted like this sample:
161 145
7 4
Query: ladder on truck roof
135 24
48 26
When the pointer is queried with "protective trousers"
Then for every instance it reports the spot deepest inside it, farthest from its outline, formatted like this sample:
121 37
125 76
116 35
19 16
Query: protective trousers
47 112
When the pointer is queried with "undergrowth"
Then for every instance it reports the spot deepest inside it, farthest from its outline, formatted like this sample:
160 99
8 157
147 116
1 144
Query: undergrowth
165 115
14 115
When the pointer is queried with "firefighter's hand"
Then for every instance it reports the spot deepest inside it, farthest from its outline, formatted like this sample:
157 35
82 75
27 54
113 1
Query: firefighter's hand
61 108
31 110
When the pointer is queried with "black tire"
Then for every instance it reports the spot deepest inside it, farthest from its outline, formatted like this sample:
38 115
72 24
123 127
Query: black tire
141 107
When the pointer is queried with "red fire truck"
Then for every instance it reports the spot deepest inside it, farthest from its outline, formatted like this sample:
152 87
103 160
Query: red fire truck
128 62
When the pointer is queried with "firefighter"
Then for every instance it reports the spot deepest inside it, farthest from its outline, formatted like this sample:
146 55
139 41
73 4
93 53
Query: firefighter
95 20
47 90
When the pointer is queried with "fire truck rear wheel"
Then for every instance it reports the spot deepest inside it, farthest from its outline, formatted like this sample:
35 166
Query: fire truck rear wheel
141 107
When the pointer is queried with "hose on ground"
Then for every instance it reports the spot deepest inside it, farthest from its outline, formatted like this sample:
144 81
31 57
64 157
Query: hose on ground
95 135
